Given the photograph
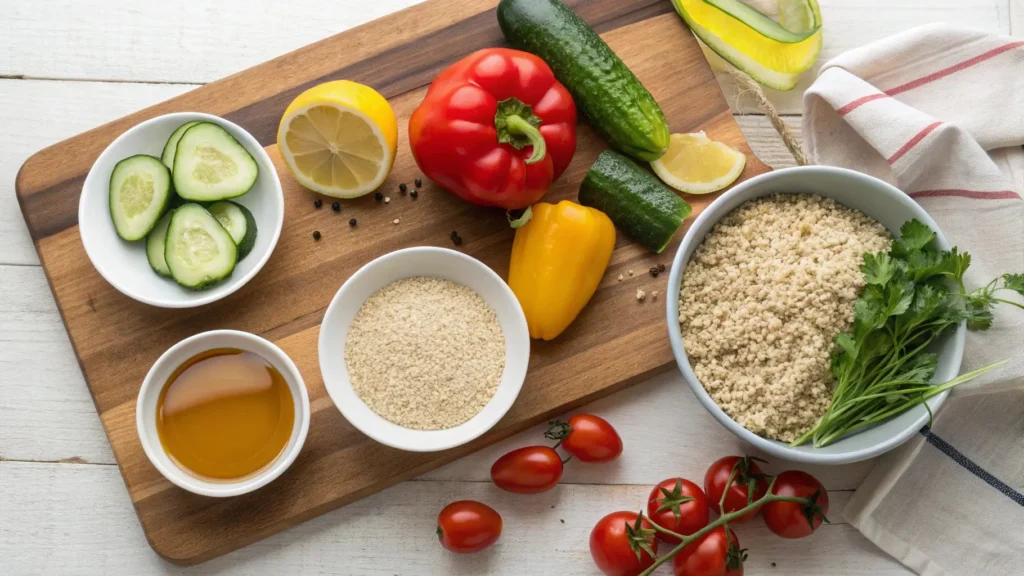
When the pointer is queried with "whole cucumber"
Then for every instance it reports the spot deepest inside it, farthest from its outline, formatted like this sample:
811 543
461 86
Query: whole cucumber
636 201
609 94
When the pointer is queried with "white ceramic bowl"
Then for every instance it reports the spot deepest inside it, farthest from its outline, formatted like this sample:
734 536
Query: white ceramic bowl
875 198
175 356
124 265
407 263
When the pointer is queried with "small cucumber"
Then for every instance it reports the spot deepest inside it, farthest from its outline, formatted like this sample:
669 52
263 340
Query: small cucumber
609 94
140 187
172 144
239 222
635 200
156 241
199 251
210 165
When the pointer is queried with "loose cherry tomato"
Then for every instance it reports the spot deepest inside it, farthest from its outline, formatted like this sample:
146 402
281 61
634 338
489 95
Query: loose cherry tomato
468 526
748 484
587 437
528 470
791 519
714 554
678 505
610 544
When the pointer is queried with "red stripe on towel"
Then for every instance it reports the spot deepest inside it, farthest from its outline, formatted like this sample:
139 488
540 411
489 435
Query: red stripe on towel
954 68
929 78
913 142
975 194
860 102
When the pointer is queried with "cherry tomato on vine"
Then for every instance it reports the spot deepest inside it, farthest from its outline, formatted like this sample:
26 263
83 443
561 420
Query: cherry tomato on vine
587 437
678 505
610 544
468 526
748 485
528 470
791 519
714 554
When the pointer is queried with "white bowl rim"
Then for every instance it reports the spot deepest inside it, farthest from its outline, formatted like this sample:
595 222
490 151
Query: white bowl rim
194 484
774 447
519 370
232 283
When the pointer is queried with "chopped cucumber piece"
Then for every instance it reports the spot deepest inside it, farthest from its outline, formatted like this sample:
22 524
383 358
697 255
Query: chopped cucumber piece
155 243
636 201
210 165
172 144
139 190
239 222
199 251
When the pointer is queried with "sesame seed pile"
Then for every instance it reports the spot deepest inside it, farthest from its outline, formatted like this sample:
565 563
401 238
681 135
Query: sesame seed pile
762 299
425 353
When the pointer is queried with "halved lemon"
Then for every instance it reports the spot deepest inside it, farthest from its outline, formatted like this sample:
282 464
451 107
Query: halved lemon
696 164
339 138
775 64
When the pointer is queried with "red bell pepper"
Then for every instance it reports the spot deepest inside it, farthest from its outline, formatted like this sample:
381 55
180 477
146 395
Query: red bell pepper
495 128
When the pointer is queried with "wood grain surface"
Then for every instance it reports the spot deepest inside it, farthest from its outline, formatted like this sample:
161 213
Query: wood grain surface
615 342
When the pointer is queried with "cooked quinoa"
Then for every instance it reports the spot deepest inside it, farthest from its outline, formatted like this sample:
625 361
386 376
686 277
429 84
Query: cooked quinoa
762 299
425 353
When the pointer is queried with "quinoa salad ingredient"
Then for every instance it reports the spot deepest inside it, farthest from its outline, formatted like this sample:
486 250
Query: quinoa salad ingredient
762 299
425 353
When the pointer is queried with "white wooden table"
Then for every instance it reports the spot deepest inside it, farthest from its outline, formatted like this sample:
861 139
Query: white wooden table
69 65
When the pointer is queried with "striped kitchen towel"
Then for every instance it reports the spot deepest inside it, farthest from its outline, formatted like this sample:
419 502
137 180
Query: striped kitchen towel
938 111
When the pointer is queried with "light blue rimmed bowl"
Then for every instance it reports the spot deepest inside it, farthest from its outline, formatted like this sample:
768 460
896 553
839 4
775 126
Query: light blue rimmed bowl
877 199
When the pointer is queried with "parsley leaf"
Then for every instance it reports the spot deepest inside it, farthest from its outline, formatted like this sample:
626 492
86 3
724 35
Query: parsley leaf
914 237
877 268
1014 282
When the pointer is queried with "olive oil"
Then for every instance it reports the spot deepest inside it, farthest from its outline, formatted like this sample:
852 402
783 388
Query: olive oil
225 414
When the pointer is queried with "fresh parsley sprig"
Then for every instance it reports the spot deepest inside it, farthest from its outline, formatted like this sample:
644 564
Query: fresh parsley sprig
913 294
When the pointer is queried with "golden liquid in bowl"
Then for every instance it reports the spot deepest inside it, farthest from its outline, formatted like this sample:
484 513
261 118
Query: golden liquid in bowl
225 414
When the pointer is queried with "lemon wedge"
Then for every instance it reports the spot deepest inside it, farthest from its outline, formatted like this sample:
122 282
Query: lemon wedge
696 164
772 63
339 138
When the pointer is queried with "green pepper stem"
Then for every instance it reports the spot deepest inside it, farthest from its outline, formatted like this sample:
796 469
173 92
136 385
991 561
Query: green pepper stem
517 125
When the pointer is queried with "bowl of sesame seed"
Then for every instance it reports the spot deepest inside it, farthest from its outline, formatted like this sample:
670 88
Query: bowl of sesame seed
424 349
763 281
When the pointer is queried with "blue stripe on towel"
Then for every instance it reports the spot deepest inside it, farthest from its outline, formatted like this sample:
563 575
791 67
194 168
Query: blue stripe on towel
971 466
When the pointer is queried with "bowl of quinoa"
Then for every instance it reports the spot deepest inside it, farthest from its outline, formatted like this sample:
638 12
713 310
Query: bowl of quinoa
763 281
424 349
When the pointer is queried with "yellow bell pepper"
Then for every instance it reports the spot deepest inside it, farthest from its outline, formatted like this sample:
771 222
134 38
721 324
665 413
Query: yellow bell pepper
558 259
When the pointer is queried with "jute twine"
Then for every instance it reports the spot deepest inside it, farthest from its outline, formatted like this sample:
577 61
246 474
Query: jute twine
748 85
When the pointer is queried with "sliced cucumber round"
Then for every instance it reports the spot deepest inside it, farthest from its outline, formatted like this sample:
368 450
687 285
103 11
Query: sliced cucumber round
210 165
172 144
155 243
199 251
139 190
239 222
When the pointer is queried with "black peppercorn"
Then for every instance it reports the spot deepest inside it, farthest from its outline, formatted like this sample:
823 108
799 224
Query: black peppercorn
661 267
352 222
414 193
378 196
318 203
336 207
654 271
316 234
402 187
418 182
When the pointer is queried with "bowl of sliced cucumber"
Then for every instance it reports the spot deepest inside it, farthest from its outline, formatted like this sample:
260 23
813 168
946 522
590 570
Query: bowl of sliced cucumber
181 210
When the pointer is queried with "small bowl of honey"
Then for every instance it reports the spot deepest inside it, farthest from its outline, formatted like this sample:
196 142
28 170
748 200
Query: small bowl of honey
222 413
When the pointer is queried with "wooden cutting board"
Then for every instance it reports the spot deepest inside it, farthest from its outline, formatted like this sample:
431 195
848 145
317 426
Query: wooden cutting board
615 342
